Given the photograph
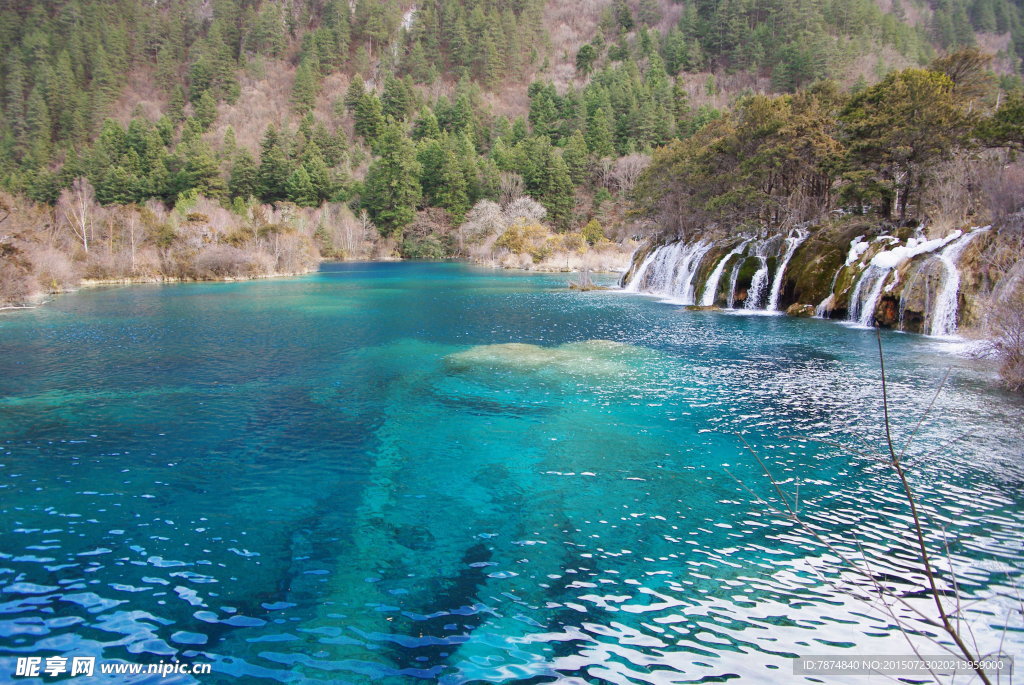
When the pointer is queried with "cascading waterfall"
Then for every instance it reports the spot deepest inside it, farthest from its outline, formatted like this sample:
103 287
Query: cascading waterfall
733 278
757 286
670 270
711 287
865 295
793 241
943 321
633 285
684 287
896 266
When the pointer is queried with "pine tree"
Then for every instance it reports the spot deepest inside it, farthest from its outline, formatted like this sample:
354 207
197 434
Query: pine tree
355 93
305 88
593 232
600 134
576 156
417 65
463 119
585 58
228 144
274 167
369 117
391 190
451 192
397 100
299 188
14 95
64 104
558 197
38 129
543 111
202 172
319 174
206 110
176 106
426 126
430 155
244 182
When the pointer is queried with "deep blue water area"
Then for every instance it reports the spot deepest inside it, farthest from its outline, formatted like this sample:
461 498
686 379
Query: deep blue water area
402 472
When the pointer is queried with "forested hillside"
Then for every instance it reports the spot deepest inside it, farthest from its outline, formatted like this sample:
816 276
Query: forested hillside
238 137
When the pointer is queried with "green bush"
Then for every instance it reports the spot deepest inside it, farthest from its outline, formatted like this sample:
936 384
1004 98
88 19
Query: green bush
423 248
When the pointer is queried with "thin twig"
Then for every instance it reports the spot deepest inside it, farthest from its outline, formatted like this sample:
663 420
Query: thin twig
925 413
918 529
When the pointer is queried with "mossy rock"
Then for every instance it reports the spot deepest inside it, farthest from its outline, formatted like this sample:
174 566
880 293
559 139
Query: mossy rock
747 270
978 277
800 311
814 265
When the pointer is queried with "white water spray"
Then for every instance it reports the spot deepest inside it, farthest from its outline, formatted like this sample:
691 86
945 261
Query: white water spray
943 321
866 293
793 241
755 294
711 287
670 271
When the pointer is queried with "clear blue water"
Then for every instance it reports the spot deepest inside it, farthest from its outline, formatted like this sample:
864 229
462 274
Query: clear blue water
354 477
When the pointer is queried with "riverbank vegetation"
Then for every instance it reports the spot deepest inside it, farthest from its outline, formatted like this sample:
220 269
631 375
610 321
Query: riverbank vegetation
920 155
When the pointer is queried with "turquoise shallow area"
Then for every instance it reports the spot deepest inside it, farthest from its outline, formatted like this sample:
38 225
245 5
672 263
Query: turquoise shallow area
402 472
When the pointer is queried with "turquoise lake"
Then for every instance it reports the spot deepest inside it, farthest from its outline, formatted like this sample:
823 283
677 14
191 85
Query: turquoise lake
405 472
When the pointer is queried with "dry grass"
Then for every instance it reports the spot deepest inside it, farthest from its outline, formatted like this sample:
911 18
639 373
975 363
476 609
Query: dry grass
569 26
141 95
728 86
915 13
997 44
865 65
265 99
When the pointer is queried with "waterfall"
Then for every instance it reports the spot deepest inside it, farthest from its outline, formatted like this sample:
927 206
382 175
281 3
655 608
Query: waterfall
652 272
757 285
684 287
670 270
707 299
732 282
633 285
942 321
793 241
864 299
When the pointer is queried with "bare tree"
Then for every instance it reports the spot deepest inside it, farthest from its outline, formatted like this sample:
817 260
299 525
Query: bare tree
134 233
365 222
605 169
510 186
77 206
626 170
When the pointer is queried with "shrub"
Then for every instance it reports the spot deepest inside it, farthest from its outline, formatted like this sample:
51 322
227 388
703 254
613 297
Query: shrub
429 247
15 281
1006 328
593 232
221 261
532 239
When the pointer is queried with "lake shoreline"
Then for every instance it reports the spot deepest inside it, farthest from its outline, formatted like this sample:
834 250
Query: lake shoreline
40 299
